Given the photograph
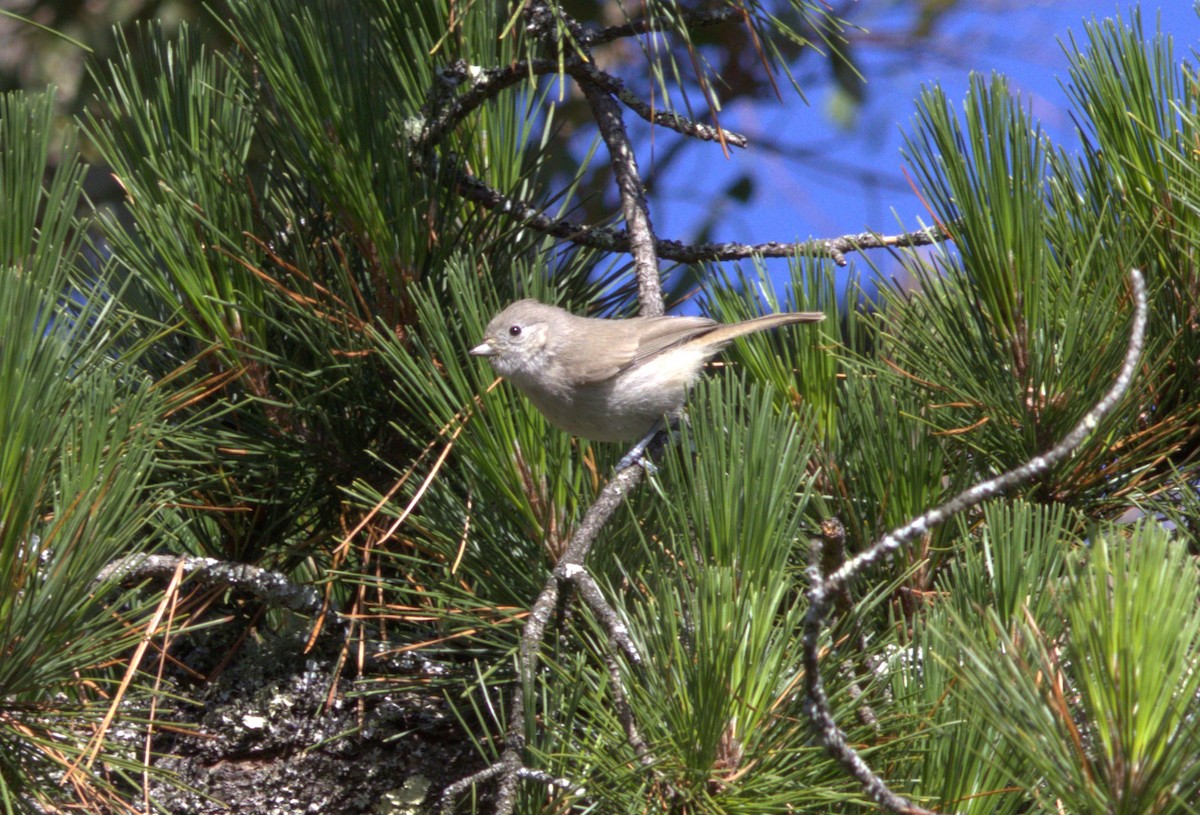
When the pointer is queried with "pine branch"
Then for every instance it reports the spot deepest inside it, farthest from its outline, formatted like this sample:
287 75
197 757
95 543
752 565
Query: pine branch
633 198
268 586
641 242
510 767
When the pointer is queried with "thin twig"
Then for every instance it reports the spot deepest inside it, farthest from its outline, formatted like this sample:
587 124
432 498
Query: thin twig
486 83
625 712
593 598
509 765
634 28
617 240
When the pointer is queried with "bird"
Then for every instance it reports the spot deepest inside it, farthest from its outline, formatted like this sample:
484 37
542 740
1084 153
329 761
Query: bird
609 380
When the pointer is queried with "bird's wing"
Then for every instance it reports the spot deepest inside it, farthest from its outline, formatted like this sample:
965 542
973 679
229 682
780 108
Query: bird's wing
622 344
615 348
660 333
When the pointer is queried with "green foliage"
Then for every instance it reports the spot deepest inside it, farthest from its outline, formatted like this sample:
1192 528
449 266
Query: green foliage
715 607
79 426
1018 336
178 133
1096 715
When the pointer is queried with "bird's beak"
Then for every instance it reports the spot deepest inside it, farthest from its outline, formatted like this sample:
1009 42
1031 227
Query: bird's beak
484 349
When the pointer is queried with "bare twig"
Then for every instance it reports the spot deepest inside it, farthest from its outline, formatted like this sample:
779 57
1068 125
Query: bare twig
625 712
823 589
485 84
547 24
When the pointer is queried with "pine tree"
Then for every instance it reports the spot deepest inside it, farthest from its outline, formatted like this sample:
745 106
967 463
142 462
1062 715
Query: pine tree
242 400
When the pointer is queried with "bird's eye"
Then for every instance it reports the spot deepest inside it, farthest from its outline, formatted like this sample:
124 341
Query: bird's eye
514 331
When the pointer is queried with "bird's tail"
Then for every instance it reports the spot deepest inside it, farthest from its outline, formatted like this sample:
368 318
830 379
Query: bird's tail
726 332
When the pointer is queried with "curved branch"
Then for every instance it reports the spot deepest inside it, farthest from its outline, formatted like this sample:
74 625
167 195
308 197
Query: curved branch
1027 471
823 589
487 83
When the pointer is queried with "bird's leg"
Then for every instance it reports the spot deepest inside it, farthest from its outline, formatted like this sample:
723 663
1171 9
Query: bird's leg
637 453
666 427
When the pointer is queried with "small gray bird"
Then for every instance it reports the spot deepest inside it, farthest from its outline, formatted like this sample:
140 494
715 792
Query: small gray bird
608 380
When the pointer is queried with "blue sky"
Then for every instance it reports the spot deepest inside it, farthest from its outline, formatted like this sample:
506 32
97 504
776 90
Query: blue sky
813 196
